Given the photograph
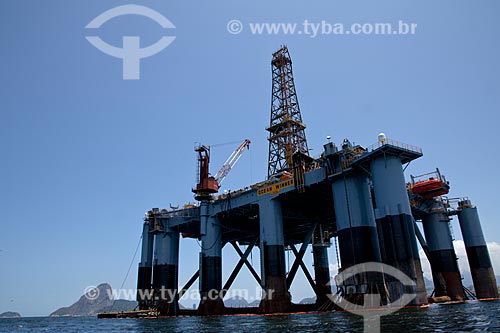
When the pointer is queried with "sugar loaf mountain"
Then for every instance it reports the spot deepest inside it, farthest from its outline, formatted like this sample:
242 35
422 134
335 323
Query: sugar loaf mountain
91 306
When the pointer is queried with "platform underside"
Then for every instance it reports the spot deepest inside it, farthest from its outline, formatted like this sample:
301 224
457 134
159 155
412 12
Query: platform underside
301 212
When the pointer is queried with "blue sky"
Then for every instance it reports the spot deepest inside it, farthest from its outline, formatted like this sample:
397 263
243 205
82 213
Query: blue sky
84 153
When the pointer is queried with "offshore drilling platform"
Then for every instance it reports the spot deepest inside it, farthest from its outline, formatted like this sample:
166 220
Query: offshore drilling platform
356 195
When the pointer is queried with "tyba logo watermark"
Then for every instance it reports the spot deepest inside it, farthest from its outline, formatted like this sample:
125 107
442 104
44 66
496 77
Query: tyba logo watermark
372 310
131 53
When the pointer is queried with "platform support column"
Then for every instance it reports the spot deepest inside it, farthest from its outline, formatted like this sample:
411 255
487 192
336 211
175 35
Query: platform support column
442 256
482 272
396 231
211 302
166 271
322 273
275 297
145 269
357 232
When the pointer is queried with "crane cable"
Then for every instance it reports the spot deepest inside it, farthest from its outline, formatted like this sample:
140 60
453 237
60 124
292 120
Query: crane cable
132 262
224 144
251 168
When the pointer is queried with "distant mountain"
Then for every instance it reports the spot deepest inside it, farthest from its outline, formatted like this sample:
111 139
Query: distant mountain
308 300
254 304
429 285
236 302
467 280
122 305
187 306
10 314
428 282
94 302
91 303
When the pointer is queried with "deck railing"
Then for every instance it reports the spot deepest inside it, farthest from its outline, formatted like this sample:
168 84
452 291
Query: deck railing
395 144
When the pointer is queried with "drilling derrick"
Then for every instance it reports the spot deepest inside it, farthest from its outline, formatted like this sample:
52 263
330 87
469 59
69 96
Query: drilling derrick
288 151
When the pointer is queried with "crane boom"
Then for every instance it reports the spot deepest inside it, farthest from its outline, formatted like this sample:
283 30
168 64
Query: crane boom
231 161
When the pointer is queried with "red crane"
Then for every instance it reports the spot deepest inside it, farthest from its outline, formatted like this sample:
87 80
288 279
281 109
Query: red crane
207 184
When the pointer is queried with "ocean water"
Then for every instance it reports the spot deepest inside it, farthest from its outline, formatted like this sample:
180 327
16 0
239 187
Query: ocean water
469 317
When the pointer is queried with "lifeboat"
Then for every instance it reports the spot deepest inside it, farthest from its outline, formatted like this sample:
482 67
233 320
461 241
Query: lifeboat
430 188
